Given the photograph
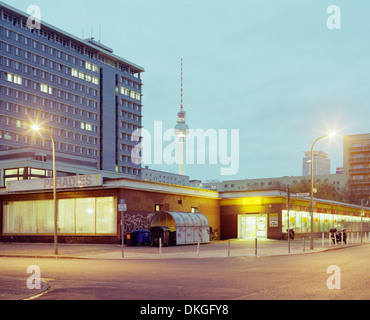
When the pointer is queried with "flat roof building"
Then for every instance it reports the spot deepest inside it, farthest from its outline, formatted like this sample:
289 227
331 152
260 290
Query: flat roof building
336 180
321 163
88 210
164 177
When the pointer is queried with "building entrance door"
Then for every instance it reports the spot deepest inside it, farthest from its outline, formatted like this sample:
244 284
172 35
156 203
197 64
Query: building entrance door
252 226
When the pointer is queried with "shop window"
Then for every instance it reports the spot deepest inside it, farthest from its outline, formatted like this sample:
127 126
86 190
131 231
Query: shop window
75 216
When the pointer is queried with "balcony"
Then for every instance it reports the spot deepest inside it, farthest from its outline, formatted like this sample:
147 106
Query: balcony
359 149
359 181
359 170
362 192
359 160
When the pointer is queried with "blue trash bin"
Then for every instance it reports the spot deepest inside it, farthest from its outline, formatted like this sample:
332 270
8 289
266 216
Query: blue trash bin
142 237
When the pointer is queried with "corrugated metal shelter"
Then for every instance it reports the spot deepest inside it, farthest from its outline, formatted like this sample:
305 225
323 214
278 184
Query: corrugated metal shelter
189 227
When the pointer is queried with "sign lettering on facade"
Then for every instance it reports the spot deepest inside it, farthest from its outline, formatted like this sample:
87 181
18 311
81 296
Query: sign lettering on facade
274 219
81 181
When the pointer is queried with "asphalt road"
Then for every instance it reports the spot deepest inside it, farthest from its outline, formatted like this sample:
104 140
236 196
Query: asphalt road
296 277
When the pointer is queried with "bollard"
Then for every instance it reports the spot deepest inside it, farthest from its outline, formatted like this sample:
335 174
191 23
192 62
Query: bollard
122 236
365 236
329 239
255 247
342 238
335 238
160 247
352 237
198 248
304 244
357 237
323 239
228 248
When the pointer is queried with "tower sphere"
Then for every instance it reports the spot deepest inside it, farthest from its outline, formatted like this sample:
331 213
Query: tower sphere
181 130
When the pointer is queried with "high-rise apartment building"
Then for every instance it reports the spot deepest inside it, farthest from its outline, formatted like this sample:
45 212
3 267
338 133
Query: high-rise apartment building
356 165
321 163
87 97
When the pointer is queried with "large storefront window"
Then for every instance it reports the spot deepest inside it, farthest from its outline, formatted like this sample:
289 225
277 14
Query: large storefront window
66 216
292 221
45 209
323 222
105 214
85 219
75 216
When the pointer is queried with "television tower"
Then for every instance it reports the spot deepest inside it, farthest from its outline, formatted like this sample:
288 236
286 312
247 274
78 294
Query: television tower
181 130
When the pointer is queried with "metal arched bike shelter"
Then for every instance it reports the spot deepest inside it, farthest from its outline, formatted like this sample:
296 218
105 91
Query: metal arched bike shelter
188 226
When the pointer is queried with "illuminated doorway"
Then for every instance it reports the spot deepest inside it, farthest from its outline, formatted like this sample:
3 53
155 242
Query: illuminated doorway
252 226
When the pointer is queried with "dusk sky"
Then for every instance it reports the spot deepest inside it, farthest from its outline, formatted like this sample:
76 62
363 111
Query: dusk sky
271 69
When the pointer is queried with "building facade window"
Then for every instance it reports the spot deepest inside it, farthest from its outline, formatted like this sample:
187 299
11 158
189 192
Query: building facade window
76 216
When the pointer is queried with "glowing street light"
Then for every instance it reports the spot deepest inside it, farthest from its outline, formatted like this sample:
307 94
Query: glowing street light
36 127
332 134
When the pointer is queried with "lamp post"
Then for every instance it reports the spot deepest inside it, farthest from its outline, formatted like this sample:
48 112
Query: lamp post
38 128
362 214
311 202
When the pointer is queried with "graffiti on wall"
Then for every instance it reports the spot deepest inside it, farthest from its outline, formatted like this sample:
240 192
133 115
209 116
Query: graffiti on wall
137 222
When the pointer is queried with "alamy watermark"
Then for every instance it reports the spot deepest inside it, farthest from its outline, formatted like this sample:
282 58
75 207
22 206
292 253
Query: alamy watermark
34 281
160 147
34 19
334 20
334 281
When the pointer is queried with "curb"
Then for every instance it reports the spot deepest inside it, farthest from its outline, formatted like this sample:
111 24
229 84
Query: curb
38 293
92 257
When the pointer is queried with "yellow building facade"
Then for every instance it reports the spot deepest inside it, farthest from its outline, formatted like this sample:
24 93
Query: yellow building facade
264 214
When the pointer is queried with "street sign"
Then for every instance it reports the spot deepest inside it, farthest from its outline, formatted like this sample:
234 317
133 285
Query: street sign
122 207
302 195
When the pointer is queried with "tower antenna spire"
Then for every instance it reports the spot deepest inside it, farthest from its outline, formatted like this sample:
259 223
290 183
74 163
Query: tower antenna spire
182 88
181 128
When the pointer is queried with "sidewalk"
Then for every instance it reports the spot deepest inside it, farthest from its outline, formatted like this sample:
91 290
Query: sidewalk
215 249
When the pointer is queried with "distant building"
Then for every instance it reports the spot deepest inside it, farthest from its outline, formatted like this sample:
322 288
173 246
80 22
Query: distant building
214 185
321 163
336 180
339 170
356 165
164 177
196 184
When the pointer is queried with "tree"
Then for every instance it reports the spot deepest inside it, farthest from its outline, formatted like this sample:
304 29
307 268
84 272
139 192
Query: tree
324 190
301 187
328 192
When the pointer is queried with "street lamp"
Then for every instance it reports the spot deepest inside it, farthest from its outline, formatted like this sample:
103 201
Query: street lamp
363 213
38 128
311 202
